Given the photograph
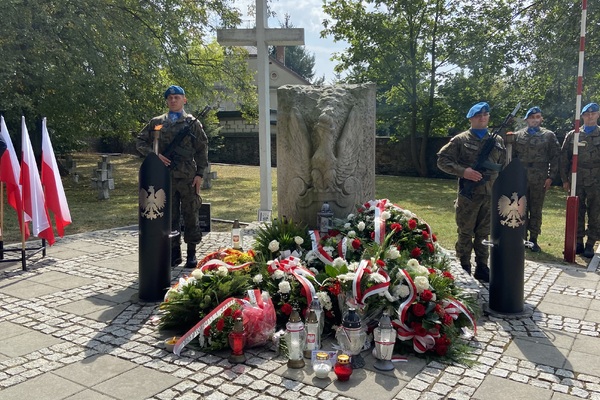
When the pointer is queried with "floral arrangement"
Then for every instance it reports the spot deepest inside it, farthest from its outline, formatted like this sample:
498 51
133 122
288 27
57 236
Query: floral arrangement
281 238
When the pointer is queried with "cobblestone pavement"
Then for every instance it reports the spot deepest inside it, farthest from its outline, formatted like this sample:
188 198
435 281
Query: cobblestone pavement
71 328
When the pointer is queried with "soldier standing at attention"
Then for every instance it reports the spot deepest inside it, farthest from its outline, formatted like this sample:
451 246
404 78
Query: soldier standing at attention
187 164
588 177
539 151
473 215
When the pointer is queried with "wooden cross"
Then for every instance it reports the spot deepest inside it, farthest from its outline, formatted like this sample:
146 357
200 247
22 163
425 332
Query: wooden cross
262 37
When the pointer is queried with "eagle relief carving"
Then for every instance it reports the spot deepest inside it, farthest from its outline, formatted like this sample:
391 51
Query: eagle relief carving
151 202
512 210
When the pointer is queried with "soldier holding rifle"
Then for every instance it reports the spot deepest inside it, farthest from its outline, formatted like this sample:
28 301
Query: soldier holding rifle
588 177
475 157
182 147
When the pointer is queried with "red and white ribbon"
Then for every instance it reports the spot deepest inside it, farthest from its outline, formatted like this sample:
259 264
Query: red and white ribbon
454 307
214 264
378 223
293 266
412 295
357 292
320 252
421 342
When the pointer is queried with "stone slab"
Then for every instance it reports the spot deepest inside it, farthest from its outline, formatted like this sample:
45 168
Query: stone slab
498 388
44 387
542 353
96 369
137 384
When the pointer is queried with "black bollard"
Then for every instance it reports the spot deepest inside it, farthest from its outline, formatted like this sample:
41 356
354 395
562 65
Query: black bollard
508 219
155 228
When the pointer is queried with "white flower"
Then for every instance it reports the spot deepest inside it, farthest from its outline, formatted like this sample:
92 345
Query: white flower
258 278
278 274
328 249
298 240
377 277
313 270
284 287
339 262
190 281
350 217
353 266
392 253
222 271
361 226
408 213
351 234
386 215
310 257
400 276
421 283
433 297
274 246
197 273
347 225
421 270
347 277
325 300
412 263
401 291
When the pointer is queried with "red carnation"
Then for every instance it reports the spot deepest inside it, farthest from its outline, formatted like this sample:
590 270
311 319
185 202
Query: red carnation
221 324
447 274
430 247
286 308
207 331
367 205
396 227
433 237
426 295
356 244
431 271
373 235
380 263
416 252
335 289
412 224
227 312
418 309
448 319
425 235
237 313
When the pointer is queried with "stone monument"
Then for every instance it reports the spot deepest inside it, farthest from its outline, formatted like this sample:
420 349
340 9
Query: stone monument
325 149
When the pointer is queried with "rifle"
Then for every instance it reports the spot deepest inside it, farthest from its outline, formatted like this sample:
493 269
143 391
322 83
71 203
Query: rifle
185 131
466 186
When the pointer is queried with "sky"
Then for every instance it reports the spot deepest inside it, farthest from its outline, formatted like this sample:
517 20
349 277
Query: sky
307 14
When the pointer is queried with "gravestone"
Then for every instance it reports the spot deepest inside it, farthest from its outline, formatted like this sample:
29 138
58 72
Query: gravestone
325 149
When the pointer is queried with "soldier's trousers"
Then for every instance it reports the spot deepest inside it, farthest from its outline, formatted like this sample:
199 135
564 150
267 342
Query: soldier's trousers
185 201
589 205
473 222
535 203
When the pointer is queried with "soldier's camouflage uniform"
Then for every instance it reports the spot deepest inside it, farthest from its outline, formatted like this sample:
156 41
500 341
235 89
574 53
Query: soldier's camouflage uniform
588 181
472 216
190 159
539 153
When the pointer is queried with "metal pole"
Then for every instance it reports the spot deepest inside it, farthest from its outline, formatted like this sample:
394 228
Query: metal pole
572 199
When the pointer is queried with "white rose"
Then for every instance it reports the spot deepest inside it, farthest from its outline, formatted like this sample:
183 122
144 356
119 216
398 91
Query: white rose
377 277
351 234
197 273
421 270
361 226
347 225
284 287
274 246
350 217
392 253
222 271
386 215
298 240
310 257
421 283
401 291
339 261
412 263
278 274
258 278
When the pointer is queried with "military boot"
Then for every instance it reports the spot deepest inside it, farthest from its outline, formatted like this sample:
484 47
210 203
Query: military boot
588 252
535 248
191 261
482 273
175 256
466 266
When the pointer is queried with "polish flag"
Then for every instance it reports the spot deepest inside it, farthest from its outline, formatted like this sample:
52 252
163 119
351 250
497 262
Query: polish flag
33 194
10 172
56 201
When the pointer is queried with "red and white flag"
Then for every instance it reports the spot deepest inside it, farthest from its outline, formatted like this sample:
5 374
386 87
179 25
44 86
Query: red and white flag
10 173
33 194
54 192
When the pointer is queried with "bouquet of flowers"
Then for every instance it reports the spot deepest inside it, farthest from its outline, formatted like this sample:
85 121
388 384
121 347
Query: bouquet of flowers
281 239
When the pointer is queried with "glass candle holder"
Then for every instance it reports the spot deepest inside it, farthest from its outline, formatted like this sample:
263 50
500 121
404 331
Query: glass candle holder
322 365
342 368
237 341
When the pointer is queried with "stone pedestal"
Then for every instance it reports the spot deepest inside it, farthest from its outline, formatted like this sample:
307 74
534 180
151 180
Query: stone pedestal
325 149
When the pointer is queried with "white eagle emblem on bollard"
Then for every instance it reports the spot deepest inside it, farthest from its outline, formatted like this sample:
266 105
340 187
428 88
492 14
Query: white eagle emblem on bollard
512 210
152 202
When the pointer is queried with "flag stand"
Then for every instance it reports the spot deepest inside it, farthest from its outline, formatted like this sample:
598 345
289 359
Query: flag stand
26 252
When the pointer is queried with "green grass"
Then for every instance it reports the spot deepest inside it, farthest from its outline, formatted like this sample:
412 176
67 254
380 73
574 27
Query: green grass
235 194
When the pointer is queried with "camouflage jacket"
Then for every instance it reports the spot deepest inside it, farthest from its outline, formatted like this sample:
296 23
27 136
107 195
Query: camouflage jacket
538 152
462 152
190 156
588 159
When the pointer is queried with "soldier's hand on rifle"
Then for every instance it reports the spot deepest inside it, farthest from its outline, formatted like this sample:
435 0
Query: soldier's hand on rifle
472 175
165 160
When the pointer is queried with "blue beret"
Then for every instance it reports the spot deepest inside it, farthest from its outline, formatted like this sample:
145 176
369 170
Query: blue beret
173 89
477 108
592 107
532 110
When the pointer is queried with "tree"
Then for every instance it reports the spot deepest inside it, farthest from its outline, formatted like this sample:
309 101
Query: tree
410 47
99 68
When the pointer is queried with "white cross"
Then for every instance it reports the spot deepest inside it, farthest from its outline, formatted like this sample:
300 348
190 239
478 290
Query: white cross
262 37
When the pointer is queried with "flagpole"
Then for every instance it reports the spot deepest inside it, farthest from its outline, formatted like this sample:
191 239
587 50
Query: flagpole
1 221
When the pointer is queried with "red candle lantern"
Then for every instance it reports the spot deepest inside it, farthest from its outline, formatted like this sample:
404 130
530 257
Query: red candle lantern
342 368
237 341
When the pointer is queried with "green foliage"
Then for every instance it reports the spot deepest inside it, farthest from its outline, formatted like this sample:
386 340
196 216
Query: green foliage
280 236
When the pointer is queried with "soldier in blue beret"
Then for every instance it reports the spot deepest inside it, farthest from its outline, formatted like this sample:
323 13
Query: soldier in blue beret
187 164
472 215
588 177
538 150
